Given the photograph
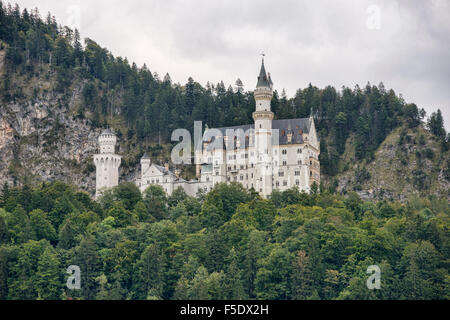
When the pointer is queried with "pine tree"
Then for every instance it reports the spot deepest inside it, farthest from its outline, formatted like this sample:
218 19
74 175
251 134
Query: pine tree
49 280
233 282
87 259
436 124
151 271
302 283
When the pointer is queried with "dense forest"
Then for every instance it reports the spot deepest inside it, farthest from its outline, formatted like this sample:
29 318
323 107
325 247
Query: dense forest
228 244
152 108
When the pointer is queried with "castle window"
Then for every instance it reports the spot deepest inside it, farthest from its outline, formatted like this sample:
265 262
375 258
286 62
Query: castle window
241 178
299 150
217 173
277 184
285 183
297 173
297 182
281 174
284 151
299 162
284 163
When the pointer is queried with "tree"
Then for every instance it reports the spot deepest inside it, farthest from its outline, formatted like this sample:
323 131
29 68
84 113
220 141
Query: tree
3 273
156 201
42 226
87 259
128 193
4 233
234 289
198 289
49 282
19 225
302 281
122 216
151 271
177 196
253 254
272 278
436 124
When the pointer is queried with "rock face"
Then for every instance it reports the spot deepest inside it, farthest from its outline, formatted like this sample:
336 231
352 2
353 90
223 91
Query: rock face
41 141
400 168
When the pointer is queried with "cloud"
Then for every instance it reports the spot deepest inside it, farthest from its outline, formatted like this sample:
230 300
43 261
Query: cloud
318 41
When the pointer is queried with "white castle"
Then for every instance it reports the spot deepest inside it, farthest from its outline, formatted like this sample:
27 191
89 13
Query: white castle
267 155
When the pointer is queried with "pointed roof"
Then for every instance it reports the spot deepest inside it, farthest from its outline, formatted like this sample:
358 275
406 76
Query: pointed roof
263 80
145 156
107 131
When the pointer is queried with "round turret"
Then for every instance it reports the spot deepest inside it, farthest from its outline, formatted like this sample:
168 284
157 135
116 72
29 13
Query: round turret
107 141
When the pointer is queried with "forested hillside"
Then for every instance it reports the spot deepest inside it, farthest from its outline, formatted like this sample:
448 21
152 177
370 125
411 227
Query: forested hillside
229 244
58 91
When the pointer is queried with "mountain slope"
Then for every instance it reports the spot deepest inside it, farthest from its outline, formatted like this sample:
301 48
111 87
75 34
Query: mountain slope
56 96
408 161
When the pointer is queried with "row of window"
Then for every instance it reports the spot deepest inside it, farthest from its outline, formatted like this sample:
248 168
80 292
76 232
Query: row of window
297 183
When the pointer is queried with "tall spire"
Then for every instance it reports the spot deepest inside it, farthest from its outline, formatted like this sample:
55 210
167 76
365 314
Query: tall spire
263 80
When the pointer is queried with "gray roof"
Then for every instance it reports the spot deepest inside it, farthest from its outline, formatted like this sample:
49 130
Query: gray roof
107 131
163 170
263 80
145 156
296 126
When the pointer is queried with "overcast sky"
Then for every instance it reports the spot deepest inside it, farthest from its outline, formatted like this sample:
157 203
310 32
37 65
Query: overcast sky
403 43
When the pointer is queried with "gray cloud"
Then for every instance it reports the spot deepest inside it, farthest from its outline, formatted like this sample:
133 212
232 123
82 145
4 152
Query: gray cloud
317 41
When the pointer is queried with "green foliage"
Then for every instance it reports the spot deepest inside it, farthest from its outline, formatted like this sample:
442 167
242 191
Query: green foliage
155 200
234 245
229 243
152 107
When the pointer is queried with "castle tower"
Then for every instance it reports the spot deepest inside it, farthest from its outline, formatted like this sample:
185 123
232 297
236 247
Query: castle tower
263 132
145 164
107 162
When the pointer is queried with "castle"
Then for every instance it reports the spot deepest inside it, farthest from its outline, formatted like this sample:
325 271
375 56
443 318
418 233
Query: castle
266 155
